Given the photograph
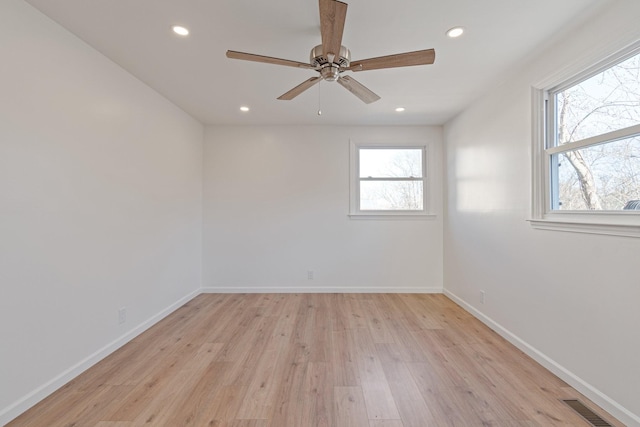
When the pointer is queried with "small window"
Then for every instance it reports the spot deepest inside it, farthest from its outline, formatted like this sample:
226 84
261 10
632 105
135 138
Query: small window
388 180
587 149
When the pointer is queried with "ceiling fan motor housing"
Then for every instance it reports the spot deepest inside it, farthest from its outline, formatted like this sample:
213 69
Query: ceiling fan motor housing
330 71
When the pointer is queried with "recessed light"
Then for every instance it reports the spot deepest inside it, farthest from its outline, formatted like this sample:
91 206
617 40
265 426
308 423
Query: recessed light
181 31
400 109
455 32
244 108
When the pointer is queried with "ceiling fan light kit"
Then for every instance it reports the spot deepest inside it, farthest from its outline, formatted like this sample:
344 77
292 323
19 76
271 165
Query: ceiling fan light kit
330 59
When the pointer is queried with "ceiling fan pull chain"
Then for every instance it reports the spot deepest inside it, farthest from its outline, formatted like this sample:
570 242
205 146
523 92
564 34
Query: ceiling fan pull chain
319 103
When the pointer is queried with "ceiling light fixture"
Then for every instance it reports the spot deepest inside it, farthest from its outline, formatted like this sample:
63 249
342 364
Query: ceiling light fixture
400 109
455 32
181 31
244 108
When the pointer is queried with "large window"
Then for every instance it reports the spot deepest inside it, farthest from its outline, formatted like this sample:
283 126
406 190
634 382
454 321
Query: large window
388 180
589 148
593 139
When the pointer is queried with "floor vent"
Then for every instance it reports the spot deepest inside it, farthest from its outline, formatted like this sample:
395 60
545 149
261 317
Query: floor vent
586 413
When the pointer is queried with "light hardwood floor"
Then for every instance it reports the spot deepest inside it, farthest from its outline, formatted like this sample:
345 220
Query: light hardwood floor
303 360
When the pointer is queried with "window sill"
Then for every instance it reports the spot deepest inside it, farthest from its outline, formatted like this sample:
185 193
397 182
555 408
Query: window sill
392 216
590 223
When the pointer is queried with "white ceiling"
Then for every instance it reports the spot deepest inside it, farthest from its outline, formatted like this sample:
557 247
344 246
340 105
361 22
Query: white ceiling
194 73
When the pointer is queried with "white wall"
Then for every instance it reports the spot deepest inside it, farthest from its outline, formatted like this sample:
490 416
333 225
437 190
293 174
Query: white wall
276 204
100 206
572 299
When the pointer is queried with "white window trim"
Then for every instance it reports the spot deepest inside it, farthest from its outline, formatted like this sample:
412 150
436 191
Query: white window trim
614 223
354 193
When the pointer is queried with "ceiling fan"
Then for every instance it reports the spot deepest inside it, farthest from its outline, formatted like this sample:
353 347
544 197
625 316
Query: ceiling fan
331 59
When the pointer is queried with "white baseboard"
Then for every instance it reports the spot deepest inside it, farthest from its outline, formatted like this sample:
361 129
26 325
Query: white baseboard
319 290
595 395
28 401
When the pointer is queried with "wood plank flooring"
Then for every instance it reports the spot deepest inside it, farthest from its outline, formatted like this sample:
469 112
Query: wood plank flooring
314 360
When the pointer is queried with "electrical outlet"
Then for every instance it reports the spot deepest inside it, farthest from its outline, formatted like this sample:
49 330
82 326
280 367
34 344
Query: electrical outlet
482 297
309 275
122 315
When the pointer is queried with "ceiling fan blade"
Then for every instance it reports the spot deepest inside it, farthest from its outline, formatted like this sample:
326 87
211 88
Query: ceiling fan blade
300 88
419 57
332 17
358 89
266 59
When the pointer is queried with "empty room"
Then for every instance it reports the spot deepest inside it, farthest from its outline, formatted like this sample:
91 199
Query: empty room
319 213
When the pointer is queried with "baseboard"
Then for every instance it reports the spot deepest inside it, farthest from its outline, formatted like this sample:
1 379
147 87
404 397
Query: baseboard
595 395
28 401
319 290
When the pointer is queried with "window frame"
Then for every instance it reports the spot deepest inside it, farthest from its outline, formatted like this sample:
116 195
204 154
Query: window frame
354 173
543 216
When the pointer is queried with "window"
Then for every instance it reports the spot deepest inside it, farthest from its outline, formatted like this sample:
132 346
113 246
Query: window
388 179
587 159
